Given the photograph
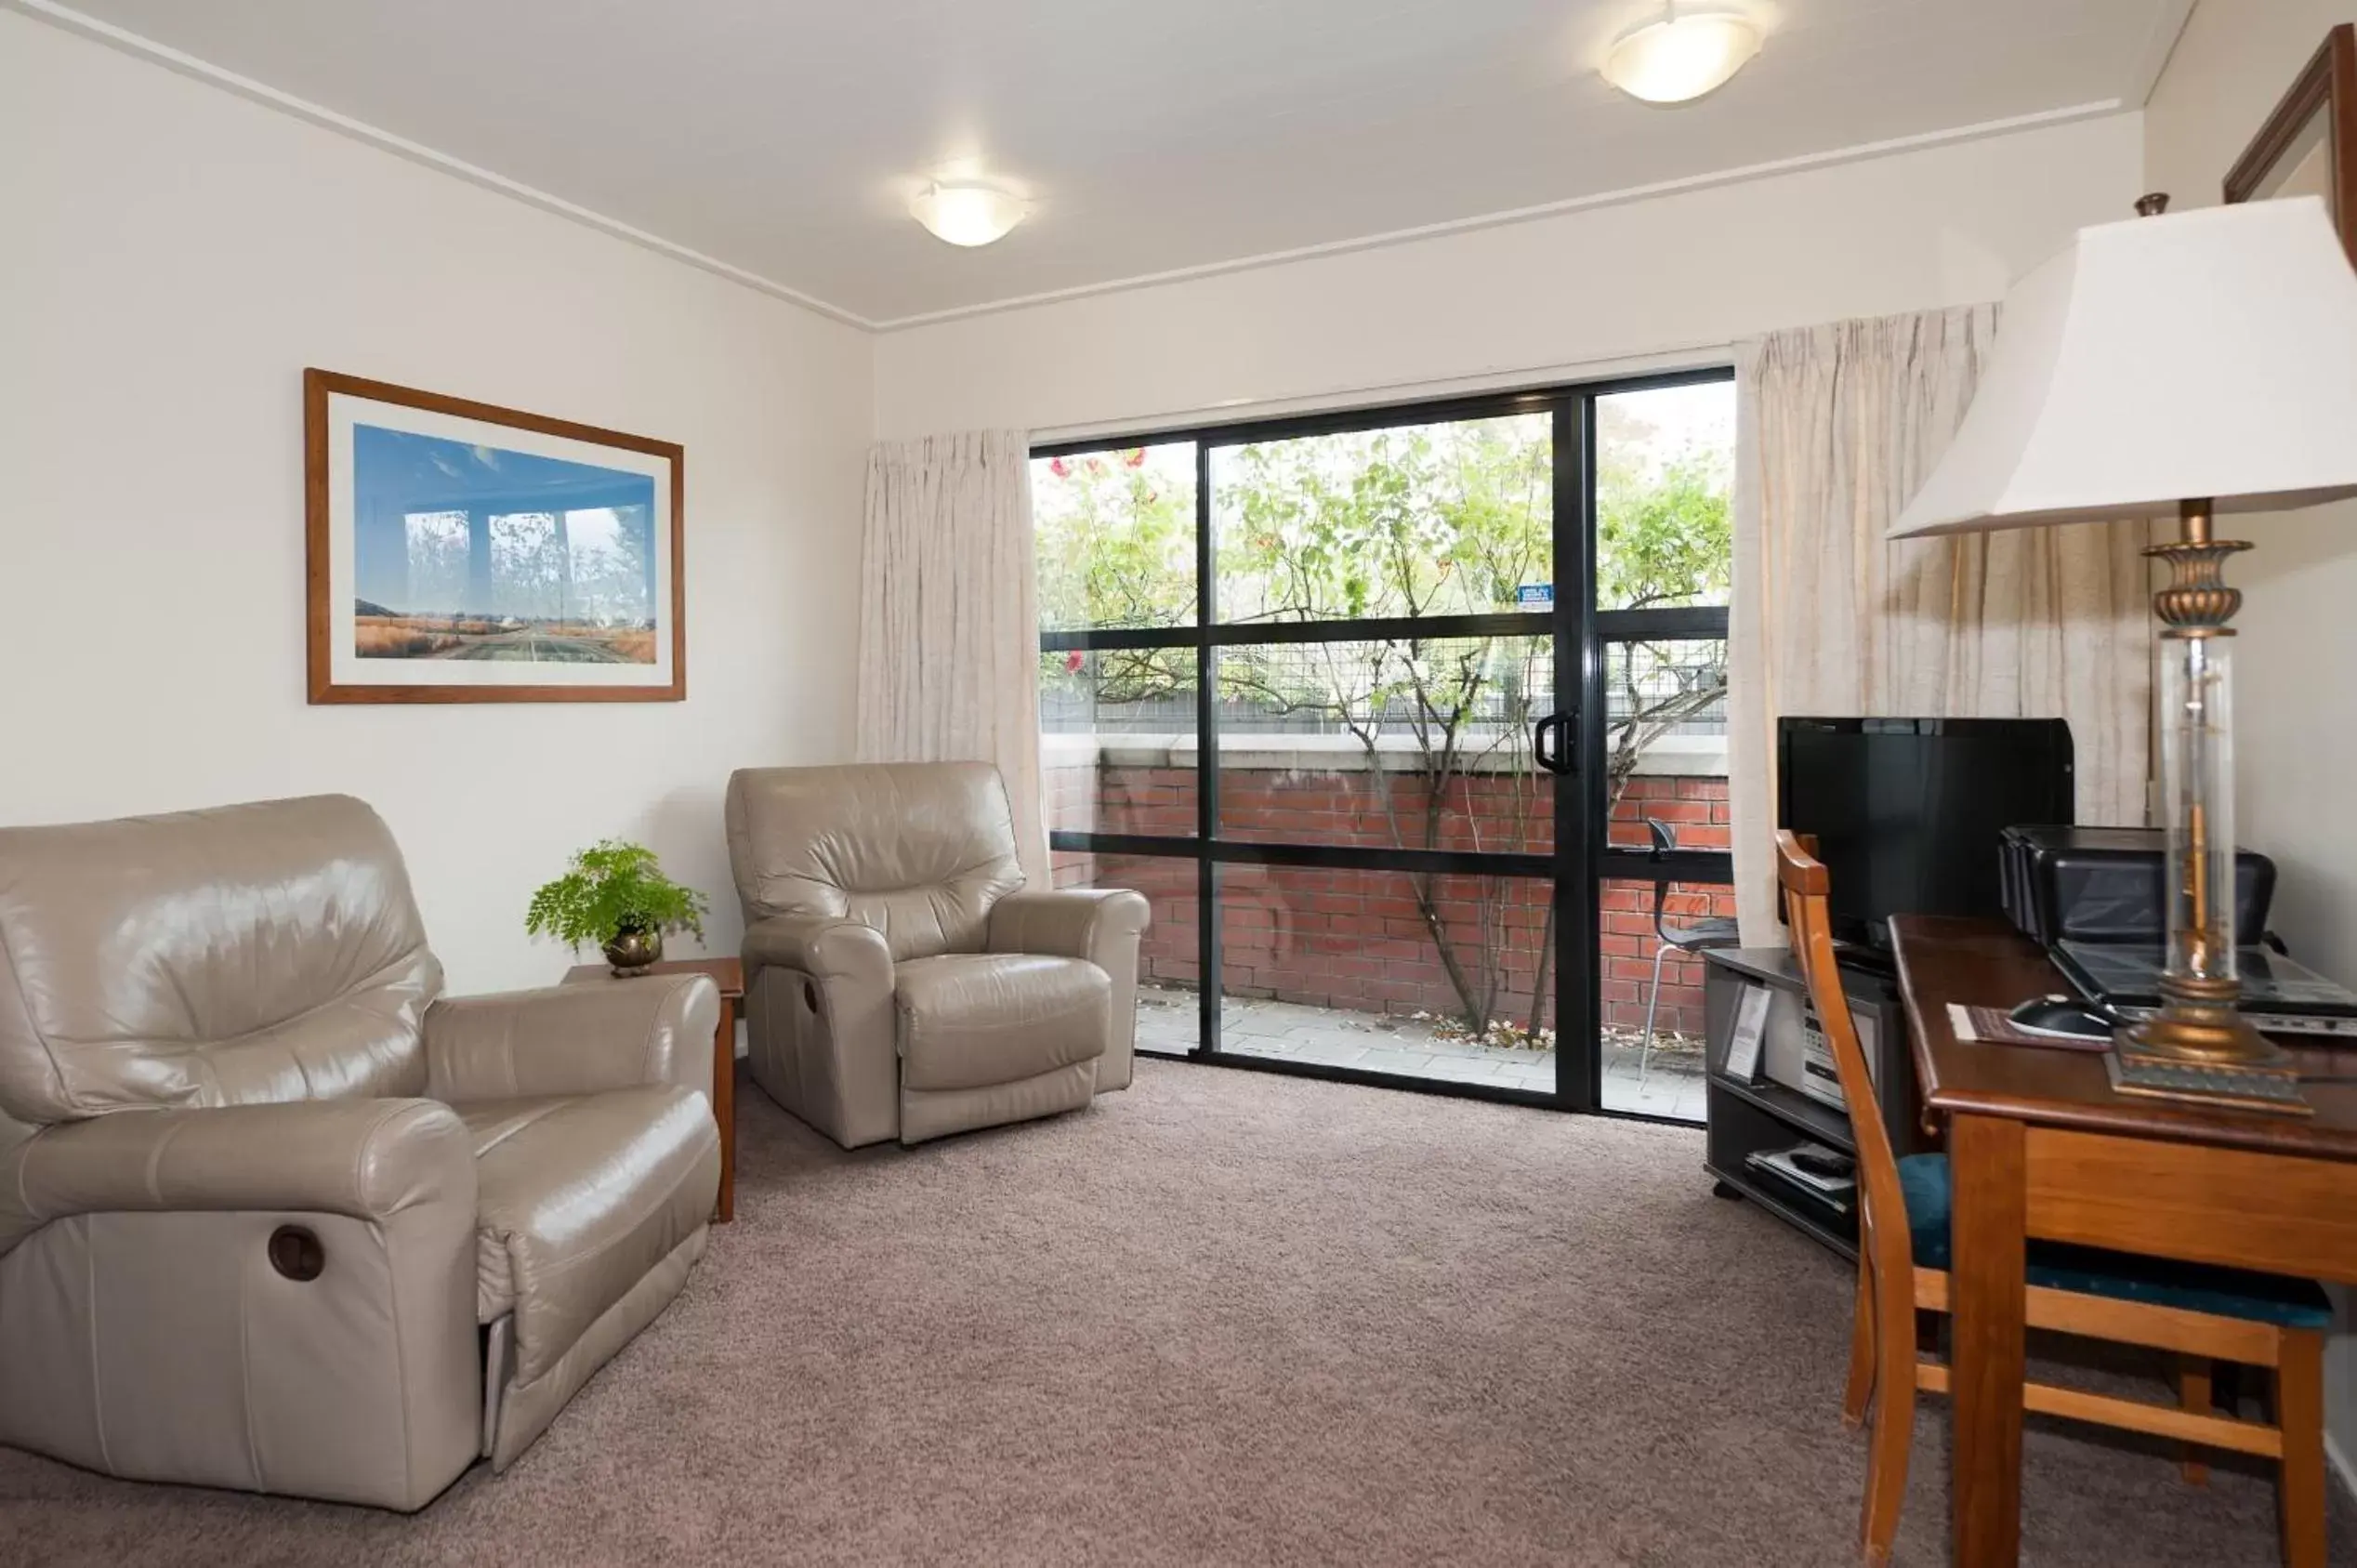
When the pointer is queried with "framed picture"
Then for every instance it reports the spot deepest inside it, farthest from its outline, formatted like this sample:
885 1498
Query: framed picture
463 553
2308 145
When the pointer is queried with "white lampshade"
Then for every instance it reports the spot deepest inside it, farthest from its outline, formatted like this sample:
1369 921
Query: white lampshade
2208 355
967 212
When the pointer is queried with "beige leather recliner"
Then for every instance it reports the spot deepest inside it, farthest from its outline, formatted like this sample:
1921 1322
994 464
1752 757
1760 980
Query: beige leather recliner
276 1216
899 981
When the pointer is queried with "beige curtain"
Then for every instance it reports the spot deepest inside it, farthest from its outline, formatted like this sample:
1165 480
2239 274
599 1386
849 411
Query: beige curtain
1837 428
949 619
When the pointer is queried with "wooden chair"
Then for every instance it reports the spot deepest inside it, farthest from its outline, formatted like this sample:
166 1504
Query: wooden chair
2203 1315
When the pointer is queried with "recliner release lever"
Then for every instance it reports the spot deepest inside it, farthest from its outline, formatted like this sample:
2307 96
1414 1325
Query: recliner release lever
296 1254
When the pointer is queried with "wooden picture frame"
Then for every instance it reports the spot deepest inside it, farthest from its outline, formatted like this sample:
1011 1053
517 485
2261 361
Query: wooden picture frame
2309 144
461 552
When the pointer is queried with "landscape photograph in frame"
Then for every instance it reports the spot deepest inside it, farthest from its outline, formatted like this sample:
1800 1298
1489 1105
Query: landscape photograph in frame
463 552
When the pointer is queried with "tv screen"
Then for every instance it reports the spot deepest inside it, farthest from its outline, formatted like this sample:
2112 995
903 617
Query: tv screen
1906 812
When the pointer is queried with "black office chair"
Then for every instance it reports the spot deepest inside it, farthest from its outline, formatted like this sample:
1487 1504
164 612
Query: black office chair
1714 931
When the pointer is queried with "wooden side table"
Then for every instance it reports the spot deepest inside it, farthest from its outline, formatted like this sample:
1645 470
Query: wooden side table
728 975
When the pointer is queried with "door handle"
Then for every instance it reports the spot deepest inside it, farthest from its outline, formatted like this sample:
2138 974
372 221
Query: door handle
1556 727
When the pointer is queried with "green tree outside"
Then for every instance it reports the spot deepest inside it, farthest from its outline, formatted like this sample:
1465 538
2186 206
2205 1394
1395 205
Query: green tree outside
1427 520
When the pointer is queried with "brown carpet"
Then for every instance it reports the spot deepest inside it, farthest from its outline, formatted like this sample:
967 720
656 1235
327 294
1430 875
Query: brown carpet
1227 1318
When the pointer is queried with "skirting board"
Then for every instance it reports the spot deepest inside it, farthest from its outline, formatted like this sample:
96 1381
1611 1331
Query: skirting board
2338 1456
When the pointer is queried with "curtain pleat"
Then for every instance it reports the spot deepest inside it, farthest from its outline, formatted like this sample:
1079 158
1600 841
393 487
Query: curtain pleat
949 620
1837 428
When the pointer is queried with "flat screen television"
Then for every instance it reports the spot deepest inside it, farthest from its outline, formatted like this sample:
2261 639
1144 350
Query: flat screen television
1906 812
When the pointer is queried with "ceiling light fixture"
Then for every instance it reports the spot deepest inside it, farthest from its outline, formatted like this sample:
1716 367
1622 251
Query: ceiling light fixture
967 212
1682 56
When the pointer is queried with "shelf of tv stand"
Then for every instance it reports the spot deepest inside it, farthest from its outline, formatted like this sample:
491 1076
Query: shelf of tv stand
1748 1115
1803 1211
1812 1118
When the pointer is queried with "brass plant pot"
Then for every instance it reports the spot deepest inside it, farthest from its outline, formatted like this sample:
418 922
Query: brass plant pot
633 952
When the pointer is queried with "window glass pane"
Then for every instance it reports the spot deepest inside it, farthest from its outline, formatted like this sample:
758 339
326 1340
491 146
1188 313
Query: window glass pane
1665 467
1651 1000
1665 702
1426 520
1389 742
1390 971
1117 740
1169 971
1418 743
1116 537
1666 778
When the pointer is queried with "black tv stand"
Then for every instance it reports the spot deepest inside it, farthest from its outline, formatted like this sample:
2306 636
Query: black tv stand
1757 1112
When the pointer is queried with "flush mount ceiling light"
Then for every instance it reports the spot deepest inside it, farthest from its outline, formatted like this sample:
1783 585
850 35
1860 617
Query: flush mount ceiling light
967 212
1682 56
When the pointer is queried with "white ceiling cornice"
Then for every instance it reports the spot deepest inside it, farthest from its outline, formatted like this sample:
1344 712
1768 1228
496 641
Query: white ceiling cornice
2148 68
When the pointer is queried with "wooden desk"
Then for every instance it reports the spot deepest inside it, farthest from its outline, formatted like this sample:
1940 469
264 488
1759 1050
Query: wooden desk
2039 1145
728 975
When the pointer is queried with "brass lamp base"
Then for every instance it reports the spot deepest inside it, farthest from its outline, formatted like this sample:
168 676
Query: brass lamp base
2243 1089
2199 1026
2199 1047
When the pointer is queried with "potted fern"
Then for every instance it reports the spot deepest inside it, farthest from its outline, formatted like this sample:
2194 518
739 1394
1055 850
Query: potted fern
616 896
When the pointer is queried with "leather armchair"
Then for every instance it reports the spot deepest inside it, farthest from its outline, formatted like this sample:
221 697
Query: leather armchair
276 1216
569 1039
899 982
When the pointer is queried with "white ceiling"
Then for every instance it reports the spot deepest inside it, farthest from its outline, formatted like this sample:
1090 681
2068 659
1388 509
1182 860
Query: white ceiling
782 137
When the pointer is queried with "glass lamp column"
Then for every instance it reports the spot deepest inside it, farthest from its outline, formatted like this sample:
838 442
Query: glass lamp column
2198 1021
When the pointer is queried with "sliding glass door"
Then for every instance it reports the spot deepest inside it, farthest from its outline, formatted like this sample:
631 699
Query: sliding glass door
1402 719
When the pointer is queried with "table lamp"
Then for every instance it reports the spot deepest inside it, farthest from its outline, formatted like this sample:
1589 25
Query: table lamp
2185 364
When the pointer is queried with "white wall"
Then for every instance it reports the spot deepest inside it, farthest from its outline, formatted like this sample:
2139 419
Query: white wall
2296 707
2295 734
171 258
1689 273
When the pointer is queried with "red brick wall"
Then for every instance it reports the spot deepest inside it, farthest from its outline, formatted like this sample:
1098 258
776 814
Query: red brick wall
1363 940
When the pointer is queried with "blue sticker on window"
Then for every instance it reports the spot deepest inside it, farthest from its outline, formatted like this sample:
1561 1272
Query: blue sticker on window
1535 593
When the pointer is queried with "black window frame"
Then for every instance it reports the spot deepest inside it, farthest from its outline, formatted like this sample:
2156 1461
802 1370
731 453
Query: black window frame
1582 859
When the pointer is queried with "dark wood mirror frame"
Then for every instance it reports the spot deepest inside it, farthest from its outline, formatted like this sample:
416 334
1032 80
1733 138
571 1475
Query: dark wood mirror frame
2328 86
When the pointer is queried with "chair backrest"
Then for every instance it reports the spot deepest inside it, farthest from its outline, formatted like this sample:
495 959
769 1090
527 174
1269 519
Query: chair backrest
1882 1215
919 850
1665 839
245 954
